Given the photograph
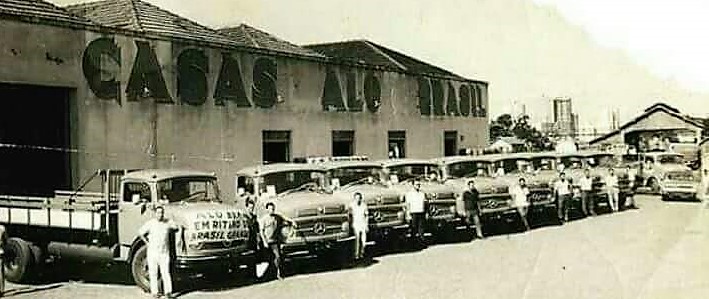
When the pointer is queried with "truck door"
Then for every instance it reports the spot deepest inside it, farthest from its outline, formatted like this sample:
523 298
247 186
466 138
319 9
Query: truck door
135 210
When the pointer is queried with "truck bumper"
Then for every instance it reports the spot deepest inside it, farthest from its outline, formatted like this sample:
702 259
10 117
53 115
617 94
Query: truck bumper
679 194
204 264
315 245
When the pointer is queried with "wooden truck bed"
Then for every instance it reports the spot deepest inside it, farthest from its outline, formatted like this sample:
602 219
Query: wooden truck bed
67 209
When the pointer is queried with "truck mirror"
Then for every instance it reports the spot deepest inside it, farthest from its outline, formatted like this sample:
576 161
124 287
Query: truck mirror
240 191
394 179
335 183
135 198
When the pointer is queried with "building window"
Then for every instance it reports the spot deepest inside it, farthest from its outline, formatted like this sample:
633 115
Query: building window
397 144
450 143
343 143
276 146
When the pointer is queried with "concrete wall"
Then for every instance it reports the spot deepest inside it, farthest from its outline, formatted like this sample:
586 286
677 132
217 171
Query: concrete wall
118 133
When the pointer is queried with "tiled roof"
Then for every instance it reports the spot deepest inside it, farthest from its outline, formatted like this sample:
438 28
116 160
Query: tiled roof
260 39
144 17
41 10
367 52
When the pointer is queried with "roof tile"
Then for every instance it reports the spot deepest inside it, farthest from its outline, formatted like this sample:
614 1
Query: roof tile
261 39
40 9
367 52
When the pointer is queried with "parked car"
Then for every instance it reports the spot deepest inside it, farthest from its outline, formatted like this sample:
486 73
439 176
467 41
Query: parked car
679 185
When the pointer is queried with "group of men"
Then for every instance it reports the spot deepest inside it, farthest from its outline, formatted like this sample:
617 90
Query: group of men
563 191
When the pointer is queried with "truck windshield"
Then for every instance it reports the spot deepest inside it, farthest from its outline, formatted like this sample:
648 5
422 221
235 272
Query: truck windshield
188 189
544 163
572 162
296 180
467 169
356 174
601 161
418 171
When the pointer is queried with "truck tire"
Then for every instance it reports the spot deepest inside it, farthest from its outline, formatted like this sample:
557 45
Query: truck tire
19 261
139 268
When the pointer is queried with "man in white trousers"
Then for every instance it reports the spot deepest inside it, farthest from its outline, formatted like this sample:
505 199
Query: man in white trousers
156 233
360 224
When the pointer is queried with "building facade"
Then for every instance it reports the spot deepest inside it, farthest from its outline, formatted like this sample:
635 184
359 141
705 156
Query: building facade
125 84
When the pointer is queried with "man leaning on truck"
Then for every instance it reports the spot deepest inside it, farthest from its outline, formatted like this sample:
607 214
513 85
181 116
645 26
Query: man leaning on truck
158 231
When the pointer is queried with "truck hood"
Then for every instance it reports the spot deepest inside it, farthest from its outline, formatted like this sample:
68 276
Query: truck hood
291 204
372 194
673 167
484 185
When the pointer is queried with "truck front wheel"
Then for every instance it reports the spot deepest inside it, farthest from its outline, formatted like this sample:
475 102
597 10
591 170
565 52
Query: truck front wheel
18 260
139 268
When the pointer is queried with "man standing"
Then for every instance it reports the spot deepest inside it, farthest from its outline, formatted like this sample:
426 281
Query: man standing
360 224
703 189
612 189
156 234
632 175
471 198
588 202
415 201
562 188
520 201
271 226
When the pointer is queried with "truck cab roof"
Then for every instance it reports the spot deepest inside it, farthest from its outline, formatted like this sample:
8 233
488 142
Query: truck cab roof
259 170
154 175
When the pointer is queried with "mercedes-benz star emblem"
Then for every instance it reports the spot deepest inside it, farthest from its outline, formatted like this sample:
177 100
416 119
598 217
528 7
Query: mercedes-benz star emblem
378 216
492 204
319 228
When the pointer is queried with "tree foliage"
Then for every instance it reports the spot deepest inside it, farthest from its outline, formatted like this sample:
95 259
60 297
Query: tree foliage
507 126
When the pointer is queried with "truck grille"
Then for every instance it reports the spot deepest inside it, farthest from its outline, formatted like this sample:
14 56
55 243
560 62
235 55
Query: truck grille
322 210
321 227
439 209
494 204
384 214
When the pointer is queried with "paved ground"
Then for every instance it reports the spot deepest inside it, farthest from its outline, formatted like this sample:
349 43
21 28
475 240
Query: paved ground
658 251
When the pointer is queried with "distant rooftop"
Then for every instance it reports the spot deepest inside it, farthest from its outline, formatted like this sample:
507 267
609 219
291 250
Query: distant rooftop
367 52
260 39
41 10
142 16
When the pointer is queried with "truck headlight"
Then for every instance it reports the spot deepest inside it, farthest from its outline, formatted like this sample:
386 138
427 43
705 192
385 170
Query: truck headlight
452 209
288 232
400 215
345 226
402 198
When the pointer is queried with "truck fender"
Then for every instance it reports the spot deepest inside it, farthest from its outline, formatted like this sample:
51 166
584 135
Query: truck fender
137 243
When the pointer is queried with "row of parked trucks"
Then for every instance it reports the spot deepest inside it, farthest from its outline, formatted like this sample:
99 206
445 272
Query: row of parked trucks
315 193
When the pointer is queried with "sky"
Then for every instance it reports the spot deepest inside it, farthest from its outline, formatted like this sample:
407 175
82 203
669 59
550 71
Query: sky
607 55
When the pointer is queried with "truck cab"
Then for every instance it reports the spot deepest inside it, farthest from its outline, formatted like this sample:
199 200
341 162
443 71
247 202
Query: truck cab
386 206
445 207
494 197
656 165
300 192
103 226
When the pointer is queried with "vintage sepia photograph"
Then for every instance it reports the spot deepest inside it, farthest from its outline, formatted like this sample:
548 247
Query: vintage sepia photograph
323 149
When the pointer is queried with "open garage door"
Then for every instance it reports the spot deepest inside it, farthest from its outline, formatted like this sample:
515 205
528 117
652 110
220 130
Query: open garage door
34 138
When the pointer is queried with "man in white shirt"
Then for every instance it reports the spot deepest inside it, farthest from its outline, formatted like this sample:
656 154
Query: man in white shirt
360 224
588 201
612 189
415 202
632 175
520 201
703 188
158 232
562 189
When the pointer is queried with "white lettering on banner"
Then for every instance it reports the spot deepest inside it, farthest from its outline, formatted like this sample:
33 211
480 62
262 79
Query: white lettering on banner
218 226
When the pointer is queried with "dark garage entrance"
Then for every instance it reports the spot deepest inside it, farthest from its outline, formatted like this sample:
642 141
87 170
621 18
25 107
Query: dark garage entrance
34 139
